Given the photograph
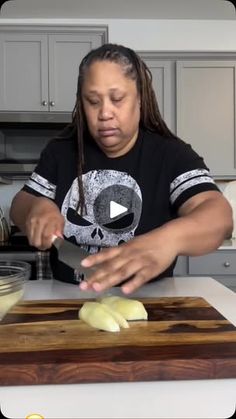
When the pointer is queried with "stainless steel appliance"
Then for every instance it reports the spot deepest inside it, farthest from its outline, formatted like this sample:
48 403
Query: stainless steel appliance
21 145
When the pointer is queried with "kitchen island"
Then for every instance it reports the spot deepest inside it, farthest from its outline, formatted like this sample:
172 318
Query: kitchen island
156 399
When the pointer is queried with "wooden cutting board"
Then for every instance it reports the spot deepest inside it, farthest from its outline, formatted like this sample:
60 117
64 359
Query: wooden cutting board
43 342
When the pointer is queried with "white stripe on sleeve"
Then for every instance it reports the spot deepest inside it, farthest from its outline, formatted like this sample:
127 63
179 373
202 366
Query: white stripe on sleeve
188 180
39 184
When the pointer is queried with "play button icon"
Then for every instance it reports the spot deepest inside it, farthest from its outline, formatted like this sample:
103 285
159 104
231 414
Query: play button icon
116 209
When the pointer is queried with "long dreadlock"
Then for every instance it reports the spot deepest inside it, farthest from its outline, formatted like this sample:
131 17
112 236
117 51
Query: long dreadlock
137 70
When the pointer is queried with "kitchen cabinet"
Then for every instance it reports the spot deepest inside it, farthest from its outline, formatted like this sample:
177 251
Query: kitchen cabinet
162 79
220 265
205 111
197 97
39 66
181 267
23 71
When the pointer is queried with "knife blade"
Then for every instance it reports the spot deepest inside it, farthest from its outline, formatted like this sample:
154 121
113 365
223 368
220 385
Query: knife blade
72 255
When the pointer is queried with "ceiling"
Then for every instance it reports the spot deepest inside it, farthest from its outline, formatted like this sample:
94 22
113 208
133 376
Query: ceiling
119 9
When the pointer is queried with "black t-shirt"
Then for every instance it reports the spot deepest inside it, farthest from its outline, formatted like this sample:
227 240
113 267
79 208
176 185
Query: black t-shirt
124 196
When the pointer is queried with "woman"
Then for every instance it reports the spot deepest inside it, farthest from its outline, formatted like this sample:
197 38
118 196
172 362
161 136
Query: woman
117 178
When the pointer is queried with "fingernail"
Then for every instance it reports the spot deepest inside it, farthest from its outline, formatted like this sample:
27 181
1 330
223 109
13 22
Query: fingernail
126 289
97 286
83 286
84 263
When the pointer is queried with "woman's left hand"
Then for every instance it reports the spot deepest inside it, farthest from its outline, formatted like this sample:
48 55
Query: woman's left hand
136 262
203 223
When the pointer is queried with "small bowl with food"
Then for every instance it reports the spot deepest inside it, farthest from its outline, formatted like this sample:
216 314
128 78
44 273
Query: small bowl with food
13 276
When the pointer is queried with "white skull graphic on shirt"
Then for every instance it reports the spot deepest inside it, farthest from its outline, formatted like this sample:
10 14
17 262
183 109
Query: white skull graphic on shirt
100 226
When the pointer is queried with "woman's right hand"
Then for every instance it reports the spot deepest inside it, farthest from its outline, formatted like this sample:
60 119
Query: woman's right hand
43 221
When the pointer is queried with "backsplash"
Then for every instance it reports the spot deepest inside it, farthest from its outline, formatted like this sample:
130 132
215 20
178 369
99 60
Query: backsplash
222 184
7 193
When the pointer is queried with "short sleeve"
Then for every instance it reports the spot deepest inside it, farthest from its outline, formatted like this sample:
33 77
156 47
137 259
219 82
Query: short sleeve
43 181
190 175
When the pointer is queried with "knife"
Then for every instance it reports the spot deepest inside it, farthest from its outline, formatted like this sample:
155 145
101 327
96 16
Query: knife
71 255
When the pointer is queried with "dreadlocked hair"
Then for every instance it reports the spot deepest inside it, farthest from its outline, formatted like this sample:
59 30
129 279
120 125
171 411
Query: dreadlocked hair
133 68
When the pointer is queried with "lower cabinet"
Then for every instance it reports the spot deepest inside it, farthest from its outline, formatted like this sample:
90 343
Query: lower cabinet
181 267
221 262
221 265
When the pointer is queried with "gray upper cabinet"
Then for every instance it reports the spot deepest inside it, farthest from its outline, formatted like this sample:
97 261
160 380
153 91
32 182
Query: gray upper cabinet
65 55
196 93
23 71
39 68
163 85
205 111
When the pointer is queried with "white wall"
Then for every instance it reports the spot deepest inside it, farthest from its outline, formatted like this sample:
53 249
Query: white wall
167 35
157 35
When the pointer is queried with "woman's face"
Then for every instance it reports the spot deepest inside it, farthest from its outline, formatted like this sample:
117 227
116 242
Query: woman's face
112 107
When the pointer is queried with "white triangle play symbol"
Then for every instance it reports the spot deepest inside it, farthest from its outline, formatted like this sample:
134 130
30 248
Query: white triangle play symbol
116 209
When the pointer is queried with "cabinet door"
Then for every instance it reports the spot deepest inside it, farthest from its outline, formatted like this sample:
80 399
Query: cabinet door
23 72
217 263
206 111
163 85
65 54
181 266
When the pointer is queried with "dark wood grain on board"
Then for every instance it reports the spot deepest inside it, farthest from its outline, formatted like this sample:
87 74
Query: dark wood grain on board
44 342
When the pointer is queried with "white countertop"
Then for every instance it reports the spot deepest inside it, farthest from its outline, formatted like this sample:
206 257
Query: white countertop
161 399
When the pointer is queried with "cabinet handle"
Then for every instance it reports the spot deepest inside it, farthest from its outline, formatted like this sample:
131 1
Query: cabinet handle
44 103
226 264
52 103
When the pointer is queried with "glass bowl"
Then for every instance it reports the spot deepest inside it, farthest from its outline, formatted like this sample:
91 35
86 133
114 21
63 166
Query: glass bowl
13 275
